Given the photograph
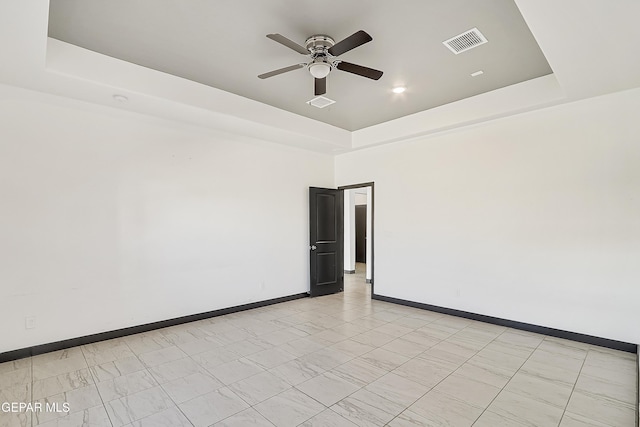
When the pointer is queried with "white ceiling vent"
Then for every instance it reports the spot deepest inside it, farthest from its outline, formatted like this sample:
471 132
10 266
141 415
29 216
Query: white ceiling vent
321 102
465 41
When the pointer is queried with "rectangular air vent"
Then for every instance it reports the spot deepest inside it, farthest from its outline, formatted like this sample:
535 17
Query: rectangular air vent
321 102
465 41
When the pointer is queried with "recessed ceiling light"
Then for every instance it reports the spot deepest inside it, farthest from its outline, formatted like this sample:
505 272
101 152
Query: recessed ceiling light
477 73
399 89
120 98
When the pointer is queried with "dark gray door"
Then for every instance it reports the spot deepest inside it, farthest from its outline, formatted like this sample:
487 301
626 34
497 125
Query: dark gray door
326 212
361 233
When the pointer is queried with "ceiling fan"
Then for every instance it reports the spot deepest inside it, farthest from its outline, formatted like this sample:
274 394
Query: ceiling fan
323 51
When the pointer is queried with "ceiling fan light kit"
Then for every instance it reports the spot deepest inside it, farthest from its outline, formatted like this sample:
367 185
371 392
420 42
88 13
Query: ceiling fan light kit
319 69
323 51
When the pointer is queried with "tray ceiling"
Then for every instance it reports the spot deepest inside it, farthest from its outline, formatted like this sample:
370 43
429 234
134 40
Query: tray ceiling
222 44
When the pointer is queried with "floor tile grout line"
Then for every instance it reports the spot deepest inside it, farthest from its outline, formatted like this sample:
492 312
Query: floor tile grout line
207 372
564 411
95 383
431 389
607 398
145 368
513 375
387 372
32 386
442 341
325 371
322 373
172 399
55 376
310 397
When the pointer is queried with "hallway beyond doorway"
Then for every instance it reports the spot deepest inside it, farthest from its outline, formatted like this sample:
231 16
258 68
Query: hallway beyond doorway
356 286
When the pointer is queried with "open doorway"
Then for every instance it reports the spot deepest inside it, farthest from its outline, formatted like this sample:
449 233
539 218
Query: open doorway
358 238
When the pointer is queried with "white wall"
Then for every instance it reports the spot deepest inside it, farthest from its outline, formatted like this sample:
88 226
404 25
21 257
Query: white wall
349 230
369 242
361 197
534 217
111 219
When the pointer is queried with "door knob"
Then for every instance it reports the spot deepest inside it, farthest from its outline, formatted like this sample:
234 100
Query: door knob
313 247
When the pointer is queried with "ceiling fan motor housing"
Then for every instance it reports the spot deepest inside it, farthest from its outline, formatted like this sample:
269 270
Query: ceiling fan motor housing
319 44
320 65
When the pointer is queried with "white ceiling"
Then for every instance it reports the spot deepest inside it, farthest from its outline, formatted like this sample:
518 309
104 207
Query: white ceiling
579 38
222 44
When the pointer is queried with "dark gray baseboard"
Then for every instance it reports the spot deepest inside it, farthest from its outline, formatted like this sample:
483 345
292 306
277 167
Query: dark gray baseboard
573 336
89 339
350 271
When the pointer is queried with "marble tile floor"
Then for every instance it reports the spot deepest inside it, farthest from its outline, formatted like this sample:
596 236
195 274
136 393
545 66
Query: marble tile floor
339 360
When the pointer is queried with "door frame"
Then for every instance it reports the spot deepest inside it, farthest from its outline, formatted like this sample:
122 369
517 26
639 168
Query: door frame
373 215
